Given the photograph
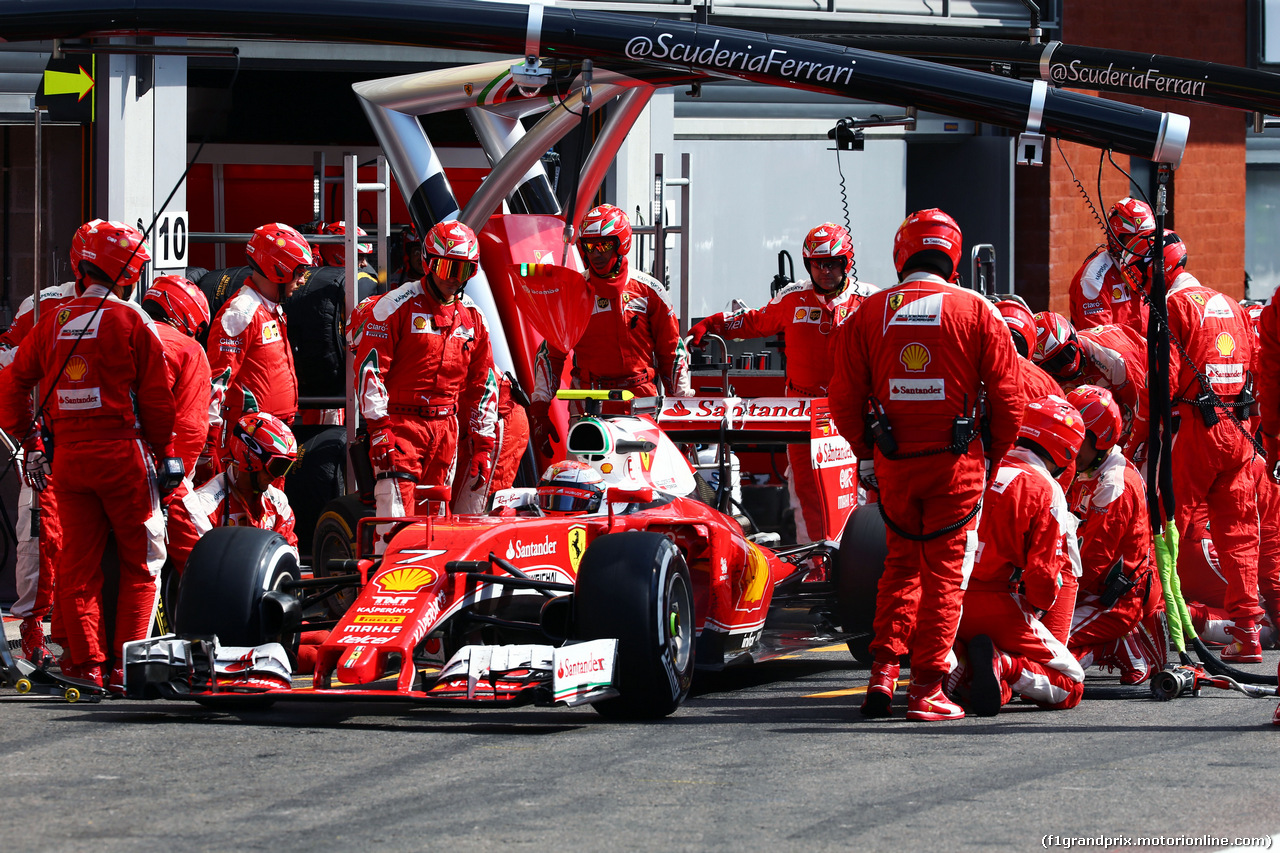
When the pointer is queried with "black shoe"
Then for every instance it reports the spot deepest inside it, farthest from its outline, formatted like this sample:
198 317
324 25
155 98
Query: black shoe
985 695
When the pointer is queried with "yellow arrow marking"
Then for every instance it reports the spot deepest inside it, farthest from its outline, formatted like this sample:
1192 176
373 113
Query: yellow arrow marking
68 83
852 691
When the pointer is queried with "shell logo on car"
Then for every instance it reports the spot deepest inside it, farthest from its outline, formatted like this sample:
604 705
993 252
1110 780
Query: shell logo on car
407 580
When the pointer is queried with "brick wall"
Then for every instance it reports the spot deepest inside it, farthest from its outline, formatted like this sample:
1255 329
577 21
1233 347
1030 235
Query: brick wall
1208 198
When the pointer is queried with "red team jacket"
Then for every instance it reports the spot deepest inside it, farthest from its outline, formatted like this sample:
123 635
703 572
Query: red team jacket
418 357
925 349
632 328
1112 505
1216 334
809 321
1100 296
191 393
216 504
118 355
1020 529
250 359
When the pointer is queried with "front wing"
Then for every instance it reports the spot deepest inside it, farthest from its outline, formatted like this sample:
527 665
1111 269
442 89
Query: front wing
169 667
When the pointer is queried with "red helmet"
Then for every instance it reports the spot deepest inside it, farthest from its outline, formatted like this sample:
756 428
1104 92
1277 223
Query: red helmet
829 240
1055 425
111 250
930 237
360 316
570 487
1021 325
1101 414
261 442
277 251
607 221
1137 257
453 250
335 254
1128 217
1057 349
180 301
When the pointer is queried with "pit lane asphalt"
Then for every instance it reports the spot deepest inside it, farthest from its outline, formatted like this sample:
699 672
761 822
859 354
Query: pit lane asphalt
772 757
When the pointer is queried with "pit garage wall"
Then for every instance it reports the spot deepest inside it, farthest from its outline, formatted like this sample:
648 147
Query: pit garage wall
142 136
1208 200
762 176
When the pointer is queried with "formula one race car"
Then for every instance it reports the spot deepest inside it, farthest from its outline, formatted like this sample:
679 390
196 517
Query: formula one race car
611 605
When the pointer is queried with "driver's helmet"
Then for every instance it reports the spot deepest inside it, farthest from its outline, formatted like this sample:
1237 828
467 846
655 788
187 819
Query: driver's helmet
570 487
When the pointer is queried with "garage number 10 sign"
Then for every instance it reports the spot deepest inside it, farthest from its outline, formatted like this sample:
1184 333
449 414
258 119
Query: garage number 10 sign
169 242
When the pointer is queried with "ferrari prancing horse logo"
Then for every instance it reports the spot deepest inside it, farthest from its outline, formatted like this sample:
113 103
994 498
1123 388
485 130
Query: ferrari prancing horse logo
577 545
895 301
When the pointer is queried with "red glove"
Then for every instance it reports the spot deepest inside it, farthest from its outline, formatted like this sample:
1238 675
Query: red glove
544 429
481 467
382 445
1271 444
713 325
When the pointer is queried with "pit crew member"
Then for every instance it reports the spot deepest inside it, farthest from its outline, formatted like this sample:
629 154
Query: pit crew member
1212 454
632 338
249 354
1036 383
181 314
423 363
1022 555
1113 357
246 494
111 411
1117 619
1100 294
36 555
809 313
910 367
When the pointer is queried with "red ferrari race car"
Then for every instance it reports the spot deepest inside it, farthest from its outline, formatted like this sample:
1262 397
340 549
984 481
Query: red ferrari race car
613 605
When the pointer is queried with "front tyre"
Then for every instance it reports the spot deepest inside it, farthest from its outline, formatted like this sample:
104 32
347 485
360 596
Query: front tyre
224 587
635 587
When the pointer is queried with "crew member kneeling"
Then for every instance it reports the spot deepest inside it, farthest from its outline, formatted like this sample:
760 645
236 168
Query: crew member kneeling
1022 553
263 450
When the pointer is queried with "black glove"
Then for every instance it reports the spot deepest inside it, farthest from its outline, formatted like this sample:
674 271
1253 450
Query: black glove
169 475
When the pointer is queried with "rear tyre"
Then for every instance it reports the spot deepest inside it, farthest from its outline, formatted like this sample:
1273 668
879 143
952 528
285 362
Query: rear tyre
335 539
635 587
859 567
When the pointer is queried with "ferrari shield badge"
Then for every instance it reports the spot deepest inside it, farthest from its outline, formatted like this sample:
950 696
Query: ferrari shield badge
577 546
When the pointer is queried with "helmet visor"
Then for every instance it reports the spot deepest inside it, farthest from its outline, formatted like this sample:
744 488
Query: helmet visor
278 466
455 270
598 244
1065 362
565 499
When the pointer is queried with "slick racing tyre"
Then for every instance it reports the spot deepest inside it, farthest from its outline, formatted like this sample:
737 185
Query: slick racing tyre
225 584
318 477
859 566
635 587
335 539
